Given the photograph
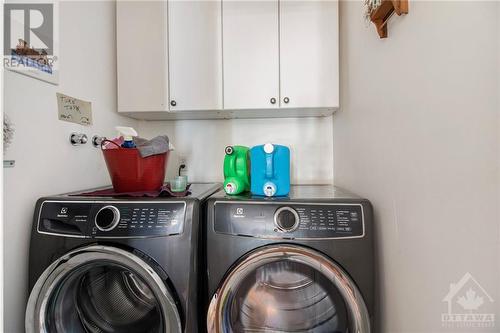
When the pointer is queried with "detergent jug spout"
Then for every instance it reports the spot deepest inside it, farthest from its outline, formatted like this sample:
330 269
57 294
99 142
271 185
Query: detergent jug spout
128 134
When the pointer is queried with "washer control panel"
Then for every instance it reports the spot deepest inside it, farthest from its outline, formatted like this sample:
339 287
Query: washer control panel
107 218
286 219
289 220
112 219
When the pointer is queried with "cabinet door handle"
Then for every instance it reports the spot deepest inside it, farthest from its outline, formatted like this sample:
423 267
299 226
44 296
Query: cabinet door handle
173 103
286 100
273 100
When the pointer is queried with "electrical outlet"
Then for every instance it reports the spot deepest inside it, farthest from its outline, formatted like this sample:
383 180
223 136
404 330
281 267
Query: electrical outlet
183 161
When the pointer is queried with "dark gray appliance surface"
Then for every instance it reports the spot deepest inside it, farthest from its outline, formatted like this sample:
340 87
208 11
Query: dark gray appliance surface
198 191
229 238
172 255
297 193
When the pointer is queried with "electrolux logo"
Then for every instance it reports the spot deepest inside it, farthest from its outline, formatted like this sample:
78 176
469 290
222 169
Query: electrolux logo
468 304
240 213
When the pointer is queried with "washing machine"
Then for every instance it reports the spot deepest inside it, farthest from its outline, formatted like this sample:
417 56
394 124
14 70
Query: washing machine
115 264
304 263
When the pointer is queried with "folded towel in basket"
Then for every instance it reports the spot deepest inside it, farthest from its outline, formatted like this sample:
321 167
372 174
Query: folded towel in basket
155 146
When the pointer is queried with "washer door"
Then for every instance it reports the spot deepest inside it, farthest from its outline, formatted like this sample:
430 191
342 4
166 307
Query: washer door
287 288
101 289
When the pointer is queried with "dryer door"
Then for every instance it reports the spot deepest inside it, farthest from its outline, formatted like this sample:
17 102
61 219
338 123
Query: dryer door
287 288
101 289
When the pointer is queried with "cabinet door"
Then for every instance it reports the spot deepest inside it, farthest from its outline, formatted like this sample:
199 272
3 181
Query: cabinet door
309 54
195 55
142 73
250 54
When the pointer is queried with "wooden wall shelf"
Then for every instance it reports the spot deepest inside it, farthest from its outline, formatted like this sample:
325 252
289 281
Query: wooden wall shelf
383 13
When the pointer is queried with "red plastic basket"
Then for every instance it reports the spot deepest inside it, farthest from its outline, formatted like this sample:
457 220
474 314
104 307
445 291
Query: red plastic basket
130 172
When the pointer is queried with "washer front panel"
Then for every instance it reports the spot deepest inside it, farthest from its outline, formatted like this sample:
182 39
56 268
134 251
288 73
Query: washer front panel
137 218
316 221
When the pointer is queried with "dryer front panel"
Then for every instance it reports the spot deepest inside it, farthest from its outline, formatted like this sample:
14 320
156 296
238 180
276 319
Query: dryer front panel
101 289
287 288
290 220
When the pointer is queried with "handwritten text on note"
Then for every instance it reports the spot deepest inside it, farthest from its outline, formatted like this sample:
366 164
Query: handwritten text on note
74 110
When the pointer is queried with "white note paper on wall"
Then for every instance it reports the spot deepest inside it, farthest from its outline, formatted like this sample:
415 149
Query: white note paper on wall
74 110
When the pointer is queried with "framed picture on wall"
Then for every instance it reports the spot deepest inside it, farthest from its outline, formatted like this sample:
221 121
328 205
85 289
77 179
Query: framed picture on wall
31 45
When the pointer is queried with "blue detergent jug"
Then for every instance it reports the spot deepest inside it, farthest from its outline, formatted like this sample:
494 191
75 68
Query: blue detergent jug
270 170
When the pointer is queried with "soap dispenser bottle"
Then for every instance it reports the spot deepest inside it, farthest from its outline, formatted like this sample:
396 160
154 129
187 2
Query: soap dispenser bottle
128 134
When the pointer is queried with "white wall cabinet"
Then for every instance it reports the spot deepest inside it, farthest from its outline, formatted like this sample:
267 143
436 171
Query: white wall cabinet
141 50
309 54
251 49
195 59
227 59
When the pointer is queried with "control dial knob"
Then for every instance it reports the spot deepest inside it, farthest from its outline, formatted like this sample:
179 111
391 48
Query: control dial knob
286 219
107 218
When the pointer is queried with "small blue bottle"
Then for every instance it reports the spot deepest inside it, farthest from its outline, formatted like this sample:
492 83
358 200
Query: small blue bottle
128 134
270 170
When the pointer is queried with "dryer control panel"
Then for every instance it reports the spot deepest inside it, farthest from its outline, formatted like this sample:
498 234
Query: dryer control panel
111 219
289 220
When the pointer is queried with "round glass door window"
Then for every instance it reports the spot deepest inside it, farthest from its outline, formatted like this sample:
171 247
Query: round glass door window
286 296
103 298
287 288
100 289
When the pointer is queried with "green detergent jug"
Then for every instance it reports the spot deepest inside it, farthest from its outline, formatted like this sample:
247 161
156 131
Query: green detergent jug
237 170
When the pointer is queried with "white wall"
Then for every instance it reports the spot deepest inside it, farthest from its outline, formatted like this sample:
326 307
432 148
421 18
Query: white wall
202 143
45 161
418 135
